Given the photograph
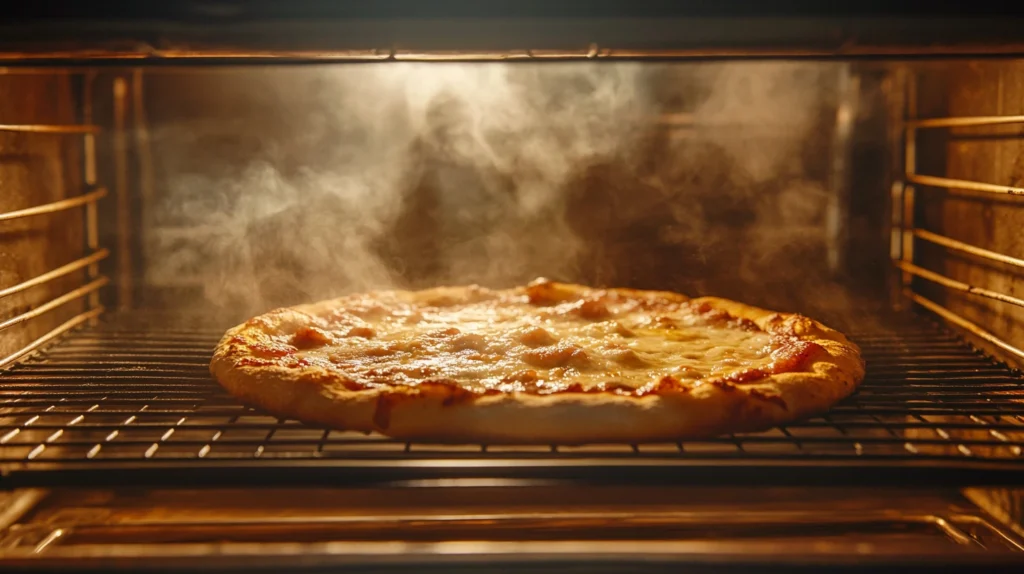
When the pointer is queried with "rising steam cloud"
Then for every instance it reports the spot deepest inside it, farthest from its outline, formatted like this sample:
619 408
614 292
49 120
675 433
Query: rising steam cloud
289 185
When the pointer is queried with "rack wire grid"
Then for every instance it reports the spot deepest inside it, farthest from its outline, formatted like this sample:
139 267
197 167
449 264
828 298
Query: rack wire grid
906 232
86 199
142 398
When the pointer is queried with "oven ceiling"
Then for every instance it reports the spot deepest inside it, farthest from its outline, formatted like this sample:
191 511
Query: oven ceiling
306 30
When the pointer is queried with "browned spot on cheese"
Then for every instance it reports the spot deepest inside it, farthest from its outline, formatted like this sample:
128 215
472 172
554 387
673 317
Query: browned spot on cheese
628 358
593 309
467 341
744 376
537 337
545 292
557 356
523 376
309 337
747 325
269 348
446 333
364 332
792 355
666 384
623 330
254 362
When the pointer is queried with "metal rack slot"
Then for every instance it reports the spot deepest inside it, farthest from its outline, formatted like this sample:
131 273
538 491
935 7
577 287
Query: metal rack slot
52 304
94 254
957 184
966 248
970 326
56 273
62 205
957 285
51 335
50 129
905 227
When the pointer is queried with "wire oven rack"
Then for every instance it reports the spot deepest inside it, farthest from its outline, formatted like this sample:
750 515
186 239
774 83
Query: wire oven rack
141 400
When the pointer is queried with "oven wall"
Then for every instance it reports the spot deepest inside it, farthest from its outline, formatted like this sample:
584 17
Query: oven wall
274 186
36 169
990 154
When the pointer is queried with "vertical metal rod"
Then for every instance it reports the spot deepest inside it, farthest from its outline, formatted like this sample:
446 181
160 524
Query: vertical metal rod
92 237
124 254
142 140
838 209
909 168
143 155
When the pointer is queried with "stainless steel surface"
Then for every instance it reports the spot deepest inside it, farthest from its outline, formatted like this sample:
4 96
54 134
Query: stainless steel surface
969 326
958 285
909 229
54 274
49 129
86 199
465 517
963 184
965 248
51 335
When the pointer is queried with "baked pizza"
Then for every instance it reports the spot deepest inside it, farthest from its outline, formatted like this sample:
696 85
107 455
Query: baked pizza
543 363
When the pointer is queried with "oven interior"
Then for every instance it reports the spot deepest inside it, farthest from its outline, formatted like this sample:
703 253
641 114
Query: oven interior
145 210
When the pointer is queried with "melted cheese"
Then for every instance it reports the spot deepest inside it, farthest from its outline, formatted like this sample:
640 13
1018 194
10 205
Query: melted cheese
504 342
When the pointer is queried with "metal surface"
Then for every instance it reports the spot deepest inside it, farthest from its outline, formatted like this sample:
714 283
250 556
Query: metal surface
49 129
442 521
141 399
966 248
58 272
908 229
672 30
61 205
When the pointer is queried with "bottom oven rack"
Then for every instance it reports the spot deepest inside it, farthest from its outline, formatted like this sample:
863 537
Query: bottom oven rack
139 399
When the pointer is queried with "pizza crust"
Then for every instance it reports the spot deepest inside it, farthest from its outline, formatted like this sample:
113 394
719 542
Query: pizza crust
440 413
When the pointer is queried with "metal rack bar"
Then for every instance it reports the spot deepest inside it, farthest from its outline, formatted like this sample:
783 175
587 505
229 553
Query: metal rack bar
54 207
967 248
78 293
970 326
50 129
964 184
56 273
958 285
51 335
964 121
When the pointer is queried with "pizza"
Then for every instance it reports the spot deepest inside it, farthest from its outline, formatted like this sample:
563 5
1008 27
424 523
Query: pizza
548 362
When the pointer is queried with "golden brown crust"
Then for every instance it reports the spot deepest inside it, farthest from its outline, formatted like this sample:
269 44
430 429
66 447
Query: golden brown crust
821 368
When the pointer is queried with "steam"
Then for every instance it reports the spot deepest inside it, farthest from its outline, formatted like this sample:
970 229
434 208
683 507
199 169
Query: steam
307 183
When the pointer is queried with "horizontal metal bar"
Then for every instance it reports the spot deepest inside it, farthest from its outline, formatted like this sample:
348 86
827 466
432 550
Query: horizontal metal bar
963 121
50 128
967 248
58 272
958 285
56 206
56 332
172 444
965 324
54 303
949 183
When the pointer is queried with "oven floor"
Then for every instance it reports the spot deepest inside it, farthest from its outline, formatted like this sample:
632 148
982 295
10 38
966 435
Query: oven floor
140 399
